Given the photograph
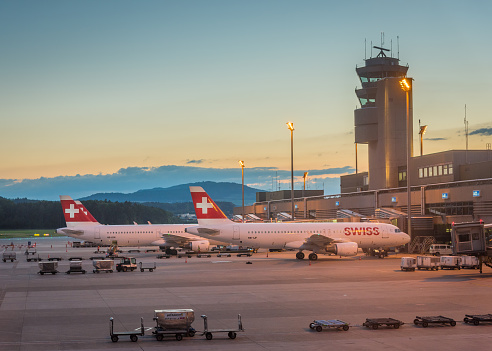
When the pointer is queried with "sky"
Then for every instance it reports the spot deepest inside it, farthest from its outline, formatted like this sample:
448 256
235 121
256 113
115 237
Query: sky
119 95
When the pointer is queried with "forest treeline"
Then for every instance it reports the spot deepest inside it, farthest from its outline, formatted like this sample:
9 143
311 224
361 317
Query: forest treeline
32 214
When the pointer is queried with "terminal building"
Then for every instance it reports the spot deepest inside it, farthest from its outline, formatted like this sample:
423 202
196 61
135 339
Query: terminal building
446 187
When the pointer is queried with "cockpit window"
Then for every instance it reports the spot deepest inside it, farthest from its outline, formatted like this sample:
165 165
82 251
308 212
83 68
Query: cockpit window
397 230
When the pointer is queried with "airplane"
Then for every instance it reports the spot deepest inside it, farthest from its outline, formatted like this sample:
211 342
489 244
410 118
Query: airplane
343 239
83 226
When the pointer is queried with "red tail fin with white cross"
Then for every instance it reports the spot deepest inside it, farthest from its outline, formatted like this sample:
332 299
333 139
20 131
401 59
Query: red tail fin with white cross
75 213
207 211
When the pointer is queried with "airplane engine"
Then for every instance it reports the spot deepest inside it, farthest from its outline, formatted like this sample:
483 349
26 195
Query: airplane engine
343 249
199 245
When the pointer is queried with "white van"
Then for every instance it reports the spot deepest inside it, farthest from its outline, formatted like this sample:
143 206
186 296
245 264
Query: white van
440 249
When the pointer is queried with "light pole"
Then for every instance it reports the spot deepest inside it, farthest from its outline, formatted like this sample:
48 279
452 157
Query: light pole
241 163
422 132
290 125
406 86
304 188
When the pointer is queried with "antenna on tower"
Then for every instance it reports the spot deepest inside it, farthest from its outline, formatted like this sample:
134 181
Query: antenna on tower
466 130
382 38
371 48
398 45
391 47
365 48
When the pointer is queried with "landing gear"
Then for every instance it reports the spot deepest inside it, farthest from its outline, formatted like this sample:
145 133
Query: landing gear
313 256
300 255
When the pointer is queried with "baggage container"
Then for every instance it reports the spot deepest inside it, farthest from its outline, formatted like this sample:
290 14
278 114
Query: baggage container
408 263
75 267
48 267
428 262
450 262
9 256
174 318
469 262
103 266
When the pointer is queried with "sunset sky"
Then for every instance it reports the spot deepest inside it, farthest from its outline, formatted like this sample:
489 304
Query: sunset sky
97 88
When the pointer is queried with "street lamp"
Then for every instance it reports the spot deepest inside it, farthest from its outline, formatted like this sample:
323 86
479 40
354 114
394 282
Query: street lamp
406 86
241 163
422 132
304 189
290 125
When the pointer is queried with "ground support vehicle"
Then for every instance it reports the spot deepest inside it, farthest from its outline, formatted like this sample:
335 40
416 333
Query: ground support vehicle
54 258
102 266
408 264
75 267
126 264
223 254
450 262
203 255
9 256
48 267
440 249
321 324
163 256
231 333
476 319
133 334
75 259
425 321
375 323
175 322
30 251
471 262
150 266
428 262
29 259
244 254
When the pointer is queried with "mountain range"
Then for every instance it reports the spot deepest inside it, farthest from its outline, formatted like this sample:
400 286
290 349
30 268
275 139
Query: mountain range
219 191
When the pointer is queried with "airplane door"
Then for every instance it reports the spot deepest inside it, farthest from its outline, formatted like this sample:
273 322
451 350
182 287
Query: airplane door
97 233
385 234
235 233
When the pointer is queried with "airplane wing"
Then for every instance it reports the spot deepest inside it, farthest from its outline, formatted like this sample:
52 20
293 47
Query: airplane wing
320 240
176 240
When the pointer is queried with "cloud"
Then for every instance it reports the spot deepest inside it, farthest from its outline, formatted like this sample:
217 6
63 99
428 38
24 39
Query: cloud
435 139
482 131
131 179
195 161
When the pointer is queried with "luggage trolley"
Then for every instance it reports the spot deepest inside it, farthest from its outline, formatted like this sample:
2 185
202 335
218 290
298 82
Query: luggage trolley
231 333
133 334
425 321
175 322
375 323
321 324
476 319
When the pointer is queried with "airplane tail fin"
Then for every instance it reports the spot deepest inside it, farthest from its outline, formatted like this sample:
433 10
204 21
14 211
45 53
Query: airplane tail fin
75 213
207 211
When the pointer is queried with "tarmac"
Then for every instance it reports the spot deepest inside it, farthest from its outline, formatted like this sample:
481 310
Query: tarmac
276 295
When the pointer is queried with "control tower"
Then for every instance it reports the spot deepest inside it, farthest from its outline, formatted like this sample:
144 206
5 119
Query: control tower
380 121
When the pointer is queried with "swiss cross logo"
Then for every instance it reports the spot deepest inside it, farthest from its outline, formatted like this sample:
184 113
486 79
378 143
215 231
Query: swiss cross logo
72 211
204 205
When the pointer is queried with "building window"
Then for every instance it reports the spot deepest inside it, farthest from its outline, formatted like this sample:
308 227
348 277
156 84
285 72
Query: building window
450 166
439 170
421 172
430 171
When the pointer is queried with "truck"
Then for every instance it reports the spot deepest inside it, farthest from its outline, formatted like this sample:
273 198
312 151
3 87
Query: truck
126 264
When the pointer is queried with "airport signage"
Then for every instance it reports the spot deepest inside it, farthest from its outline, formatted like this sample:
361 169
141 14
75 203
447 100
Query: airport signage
445 196
476 193
337 203
394 199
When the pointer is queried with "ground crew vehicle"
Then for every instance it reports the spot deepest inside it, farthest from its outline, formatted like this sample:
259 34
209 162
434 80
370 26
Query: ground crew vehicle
9 256
126 264
408 263
440 249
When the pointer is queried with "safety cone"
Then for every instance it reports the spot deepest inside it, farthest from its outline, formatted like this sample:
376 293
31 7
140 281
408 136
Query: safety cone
309 262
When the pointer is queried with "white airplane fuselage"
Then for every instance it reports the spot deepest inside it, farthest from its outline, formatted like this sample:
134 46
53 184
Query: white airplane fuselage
126 235
293 235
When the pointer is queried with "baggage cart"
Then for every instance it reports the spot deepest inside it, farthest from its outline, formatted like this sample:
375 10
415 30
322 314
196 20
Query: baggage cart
35 259
163 256
428 262
224 254
375 323
30 251
203 255
132 334
75 267
175 322
150 266
470 262
321 324
476 319
425 321
9 256
48 267
102 266
450 262
231 333
408 264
